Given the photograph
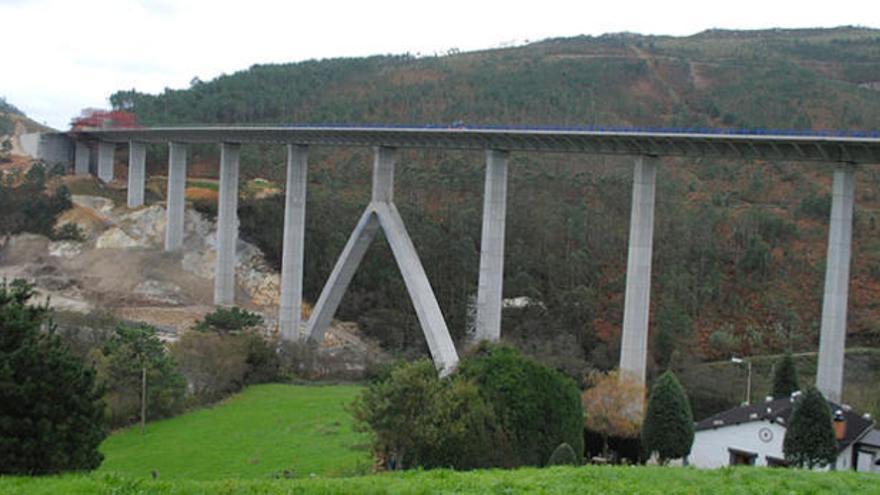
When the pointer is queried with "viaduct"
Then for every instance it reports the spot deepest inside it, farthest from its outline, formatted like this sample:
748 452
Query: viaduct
842 154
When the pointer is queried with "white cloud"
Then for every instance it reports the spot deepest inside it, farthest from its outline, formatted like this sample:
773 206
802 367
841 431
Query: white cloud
62 55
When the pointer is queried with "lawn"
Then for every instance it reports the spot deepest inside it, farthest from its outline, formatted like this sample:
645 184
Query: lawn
264 430
560 480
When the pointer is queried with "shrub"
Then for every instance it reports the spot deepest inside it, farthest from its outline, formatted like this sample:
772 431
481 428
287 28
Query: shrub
419 420
785 378
214 365
121 362
668 429
537 407
227 320
809 437
612 407
68 232
563 456
27 208
51 414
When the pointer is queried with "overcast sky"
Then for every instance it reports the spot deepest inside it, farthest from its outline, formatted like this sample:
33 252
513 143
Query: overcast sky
60 56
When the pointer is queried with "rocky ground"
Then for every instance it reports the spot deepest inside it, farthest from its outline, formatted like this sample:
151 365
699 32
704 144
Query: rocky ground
121 268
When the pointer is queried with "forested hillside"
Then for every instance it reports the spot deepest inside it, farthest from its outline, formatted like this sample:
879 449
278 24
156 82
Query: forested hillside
739 247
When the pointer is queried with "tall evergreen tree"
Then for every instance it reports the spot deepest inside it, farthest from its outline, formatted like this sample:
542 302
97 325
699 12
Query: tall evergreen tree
785 378
51 412
668 428
809 436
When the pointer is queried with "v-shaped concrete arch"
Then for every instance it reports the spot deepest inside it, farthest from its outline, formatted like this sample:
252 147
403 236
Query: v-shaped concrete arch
382 213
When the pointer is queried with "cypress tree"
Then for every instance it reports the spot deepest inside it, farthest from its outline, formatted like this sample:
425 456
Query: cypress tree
668 428
785 378
50 408
809 436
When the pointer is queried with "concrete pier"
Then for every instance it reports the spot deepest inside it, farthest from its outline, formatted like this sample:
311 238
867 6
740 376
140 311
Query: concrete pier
227 225
137 157
105 161
832 338
381 212
634 341
290 305
176 196
81 157
331 295
490 289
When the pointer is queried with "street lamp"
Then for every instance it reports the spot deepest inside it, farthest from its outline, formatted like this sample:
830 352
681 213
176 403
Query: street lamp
749 379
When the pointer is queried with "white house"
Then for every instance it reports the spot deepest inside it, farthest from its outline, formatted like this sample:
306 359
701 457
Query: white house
753 435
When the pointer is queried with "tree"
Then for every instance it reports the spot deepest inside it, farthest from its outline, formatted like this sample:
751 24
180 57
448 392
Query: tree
785 377
668 429
809 437
139 376
538 407
612 407
51 414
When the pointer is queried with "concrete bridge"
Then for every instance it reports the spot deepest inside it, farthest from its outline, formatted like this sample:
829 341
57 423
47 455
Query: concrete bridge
842 154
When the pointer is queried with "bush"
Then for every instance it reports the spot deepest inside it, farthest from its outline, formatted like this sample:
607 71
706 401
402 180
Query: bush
68 232
228 320
668 429
419 420
563 456
537 407
51 413
120 364
214 365
27 208
809 437
499 410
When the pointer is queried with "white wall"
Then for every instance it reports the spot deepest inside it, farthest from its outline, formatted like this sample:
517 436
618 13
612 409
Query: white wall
710 449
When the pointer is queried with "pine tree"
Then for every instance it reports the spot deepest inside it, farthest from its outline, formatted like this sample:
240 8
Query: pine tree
809 436
668 428
785 378
51 412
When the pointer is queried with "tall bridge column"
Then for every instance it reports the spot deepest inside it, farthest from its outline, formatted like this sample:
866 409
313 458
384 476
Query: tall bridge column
137 156
176 197
489 292
105 161
634 345
381 212
227 225
81 158
290 307
832 338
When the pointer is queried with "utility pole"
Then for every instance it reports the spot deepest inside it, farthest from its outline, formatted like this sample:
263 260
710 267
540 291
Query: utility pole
748 363
143 397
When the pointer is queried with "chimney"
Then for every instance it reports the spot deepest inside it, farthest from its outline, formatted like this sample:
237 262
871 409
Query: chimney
839 425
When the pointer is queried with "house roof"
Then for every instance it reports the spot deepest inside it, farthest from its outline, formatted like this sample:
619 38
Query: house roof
779 410
872 438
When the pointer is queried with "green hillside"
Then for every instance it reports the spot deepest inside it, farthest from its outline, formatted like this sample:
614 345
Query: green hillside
739 246
604 480
259 433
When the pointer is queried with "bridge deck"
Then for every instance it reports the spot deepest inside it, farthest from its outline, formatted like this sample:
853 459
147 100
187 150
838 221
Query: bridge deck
718 144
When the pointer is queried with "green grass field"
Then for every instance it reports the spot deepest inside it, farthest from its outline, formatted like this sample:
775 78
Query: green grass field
559 480
240 445
264 430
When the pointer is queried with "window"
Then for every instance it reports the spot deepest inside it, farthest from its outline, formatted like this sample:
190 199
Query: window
741 457
776 462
